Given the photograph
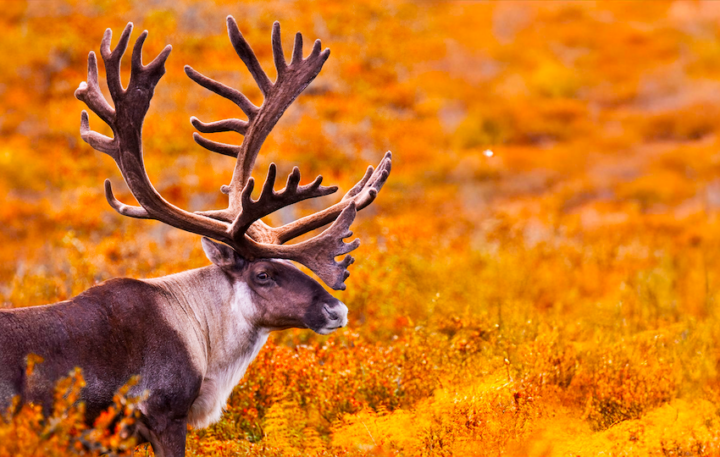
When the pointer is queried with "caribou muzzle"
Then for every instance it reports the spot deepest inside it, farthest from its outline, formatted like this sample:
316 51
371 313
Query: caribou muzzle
335 314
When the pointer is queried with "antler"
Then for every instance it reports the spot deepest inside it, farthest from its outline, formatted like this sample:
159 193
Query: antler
125 120
239 225
292 79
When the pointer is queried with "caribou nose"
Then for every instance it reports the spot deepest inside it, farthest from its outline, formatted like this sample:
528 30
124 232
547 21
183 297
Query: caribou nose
336 312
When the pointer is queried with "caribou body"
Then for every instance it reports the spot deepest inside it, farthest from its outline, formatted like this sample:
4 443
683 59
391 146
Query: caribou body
190 336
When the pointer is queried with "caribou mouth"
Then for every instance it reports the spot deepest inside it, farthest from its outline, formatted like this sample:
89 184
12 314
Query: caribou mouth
328 330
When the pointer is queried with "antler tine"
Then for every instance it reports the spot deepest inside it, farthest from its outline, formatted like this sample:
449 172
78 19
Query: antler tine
224 91
360 195
89 92
360 184
278 55
97 140
246 54
365 191
297 49
136 65
229 150
112 59
225 125
92 95
270 201
136 212
155 69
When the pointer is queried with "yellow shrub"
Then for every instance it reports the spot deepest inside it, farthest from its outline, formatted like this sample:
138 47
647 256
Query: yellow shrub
27 433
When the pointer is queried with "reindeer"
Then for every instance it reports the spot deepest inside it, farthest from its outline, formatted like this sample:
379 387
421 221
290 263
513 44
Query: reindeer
190 336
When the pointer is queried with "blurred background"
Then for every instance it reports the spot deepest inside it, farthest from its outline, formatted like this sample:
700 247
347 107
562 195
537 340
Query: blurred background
549 237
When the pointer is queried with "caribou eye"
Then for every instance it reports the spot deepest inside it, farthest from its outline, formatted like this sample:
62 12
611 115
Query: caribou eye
262 276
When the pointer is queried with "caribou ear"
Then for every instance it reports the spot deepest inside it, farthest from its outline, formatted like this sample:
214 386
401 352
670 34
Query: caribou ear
222 255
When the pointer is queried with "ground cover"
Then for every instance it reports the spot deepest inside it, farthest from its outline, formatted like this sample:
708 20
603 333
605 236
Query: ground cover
558 296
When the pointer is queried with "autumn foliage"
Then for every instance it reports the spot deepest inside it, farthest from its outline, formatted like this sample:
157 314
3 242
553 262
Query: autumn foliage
540 275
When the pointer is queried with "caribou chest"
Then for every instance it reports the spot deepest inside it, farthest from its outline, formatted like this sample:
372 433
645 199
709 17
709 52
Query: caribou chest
234 345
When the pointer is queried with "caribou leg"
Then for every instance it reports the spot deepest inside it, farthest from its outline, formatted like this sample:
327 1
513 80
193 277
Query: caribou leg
171 442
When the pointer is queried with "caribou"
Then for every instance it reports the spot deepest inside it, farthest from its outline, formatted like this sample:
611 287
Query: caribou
190 336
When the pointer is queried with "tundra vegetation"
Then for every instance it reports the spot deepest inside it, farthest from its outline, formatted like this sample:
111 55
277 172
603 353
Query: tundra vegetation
560 295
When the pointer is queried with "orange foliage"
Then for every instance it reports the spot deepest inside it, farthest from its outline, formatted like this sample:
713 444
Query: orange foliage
557 294
25 431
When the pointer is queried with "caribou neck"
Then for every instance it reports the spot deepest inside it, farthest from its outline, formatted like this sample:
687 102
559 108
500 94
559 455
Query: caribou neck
224 337
220 312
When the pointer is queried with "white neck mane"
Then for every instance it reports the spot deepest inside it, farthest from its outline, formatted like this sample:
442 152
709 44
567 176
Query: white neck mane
222 312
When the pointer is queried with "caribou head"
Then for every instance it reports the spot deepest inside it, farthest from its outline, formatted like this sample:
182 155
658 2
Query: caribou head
190 336
275 294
